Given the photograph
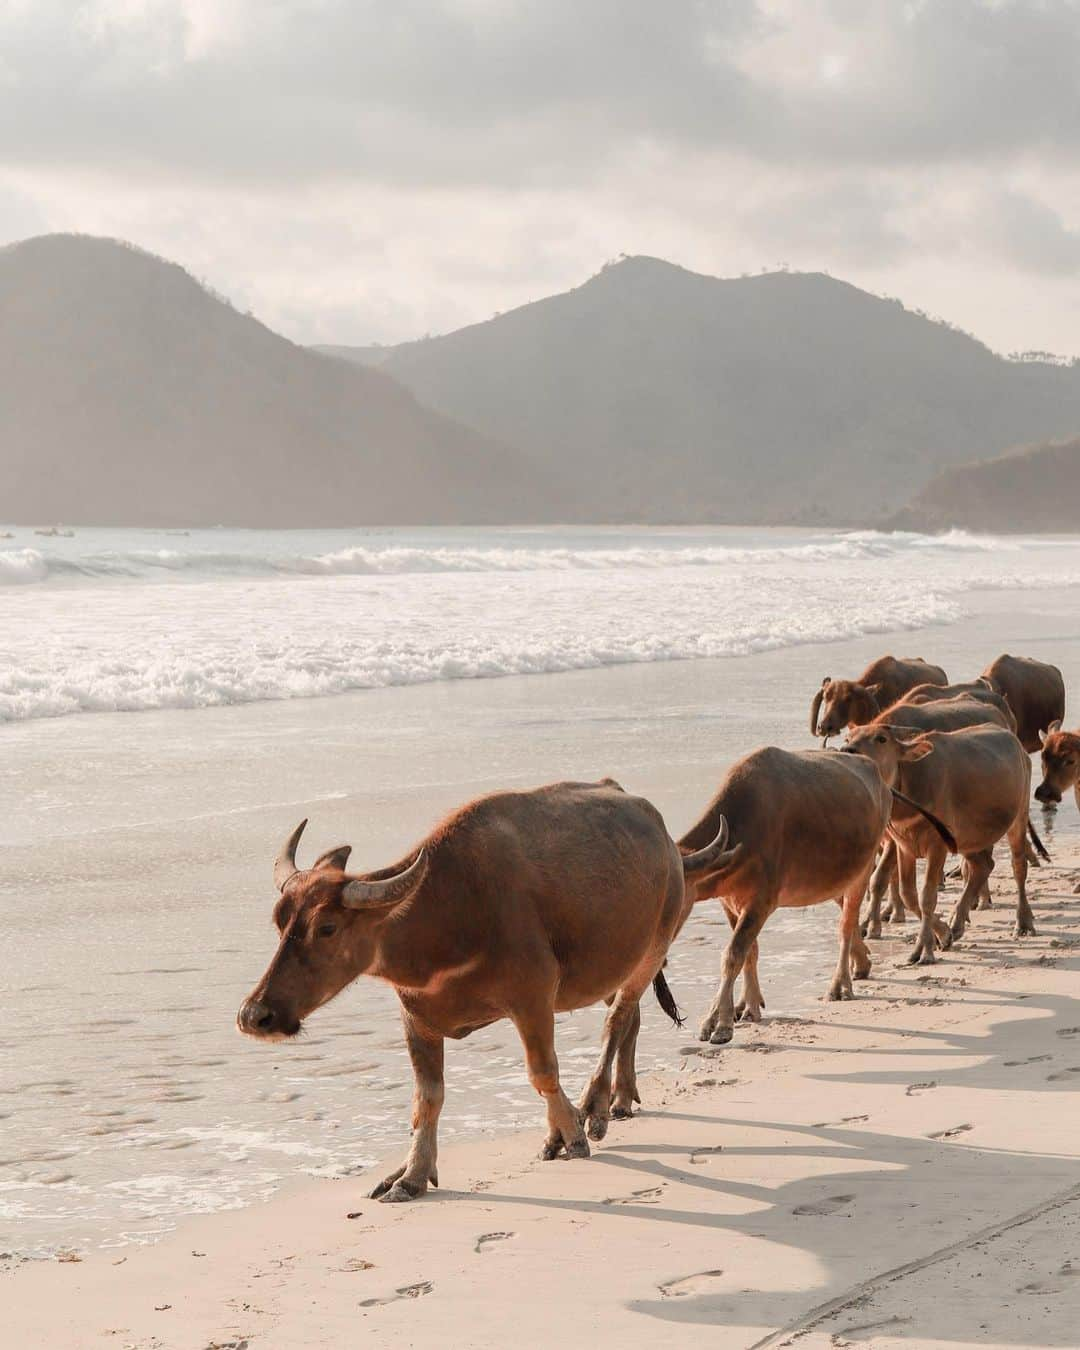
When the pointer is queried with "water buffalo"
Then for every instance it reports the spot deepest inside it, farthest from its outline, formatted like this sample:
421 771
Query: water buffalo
944 714
977 691
1035 692
1060 764
978 781
842 703
805 828
519 905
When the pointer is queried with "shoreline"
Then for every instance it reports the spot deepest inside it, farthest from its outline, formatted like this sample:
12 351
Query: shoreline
827 1177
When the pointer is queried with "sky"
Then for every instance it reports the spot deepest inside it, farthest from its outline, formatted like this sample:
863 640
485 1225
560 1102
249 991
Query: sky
371 170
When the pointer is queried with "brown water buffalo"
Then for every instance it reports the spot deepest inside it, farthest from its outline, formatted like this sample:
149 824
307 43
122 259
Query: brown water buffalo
1035 692
944 714
976 691
978 781
1060 764
519 905
806 828
843 703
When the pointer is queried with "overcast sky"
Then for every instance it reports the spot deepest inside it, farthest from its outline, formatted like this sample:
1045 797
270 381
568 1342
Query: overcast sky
359 170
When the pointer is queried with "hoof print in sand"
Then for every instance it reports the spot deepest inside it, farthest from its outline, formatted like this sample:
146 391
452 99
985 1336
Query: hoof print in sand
406 1291
832 1204
912 1088
687 1285
647 1196
951 1132
699 1155
486 1239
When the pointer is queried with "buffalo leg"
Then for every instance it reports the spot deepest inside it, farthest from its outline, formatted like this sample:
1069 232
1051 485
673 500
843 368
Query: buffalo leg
419 1168
883 876
749 1007
625 1093
536 1027
595 1105
1025 920
897 913
976 870
985 902
719 1024
847 932
923 953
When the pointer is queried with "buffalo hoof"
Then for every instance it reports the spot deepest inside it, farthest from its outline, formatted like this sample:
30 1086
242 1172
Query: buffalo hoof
555 1148
861 973
597 1128
748 1012
622 1112
398 1194
921 958
1024 930
840 993
872 931
395 1189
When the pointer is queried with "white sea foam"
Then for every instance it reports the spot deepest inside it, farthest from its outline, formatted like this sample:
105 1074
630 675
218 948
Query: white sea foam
234 617
269 555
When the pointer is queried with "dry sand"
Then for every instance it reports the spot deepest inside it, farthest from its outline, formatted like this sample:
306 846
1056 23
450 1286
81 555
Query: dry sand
896 1171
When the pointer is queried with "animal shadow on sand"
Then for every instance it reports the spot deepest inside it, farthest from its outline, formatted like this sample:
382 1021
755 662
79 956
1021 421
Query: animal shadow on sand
838 1217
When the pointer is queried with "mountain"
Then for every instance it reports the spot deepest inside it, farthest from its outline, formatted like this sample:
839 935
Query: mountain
132 395
659 394
1029 490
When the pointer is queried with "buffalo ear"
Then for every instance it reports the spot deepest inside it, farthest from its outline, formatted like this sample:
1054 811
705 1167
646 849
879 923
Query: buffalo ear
910 751
826 680
1054 726
874 689
333 857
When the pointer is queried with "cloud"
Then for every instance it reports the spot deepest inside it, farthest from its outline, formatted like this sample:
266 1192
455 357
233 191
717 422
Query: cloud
354 169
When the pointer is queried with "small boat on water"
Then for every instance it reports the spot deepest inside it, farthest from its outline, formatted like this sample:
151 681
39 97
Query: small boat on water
55 532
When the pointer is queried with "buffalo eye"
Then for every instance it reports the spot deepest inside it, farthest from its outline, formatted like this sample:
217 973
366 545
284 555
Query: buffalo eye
880 740
326 929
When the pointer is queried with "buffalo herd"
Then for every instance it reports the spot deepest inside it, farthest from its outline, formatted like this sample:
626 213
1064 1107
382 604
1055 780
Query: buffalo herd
525 904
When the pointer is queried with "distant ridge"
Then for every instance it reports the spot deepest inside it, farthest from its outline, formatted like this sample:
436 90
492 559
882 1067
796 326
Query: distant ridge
659 394
132 395
1030 490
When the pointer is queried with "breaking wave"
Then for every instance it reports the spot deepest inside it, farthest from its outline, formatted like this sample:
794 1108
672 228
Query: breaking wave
31 565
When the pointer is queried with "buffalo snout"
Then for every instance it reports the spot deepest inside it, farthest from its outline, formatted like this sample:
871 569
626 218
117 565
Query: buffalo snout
1046 794
256 1018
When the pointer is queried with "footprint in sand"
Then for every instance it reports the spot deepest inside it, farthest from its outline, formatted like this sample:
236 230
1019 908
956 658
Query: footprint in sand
1031 1059
844 1120
830 1205
1062 1074
485 1239
647 1196
406 1291
699 1155
1069 1031
912 1088
686 1285
951 1132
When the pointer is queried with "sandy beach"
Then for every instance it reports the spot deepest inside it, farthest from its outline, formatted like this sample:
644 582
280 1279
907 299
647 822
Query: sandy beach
896 1171
203 1183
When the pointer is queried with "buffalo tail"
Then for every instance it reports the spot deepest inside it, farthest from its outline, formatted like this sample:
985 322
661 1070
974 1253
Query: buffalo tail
666 999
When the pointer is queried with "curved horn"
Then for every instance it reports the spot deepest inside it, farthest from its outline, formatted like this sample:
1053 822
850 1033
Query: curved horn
285 865
815 708
333 857
364 894
705 857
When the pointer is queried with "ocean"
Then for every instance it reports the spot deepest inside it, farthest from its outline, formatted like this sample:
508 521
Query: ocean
172 704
